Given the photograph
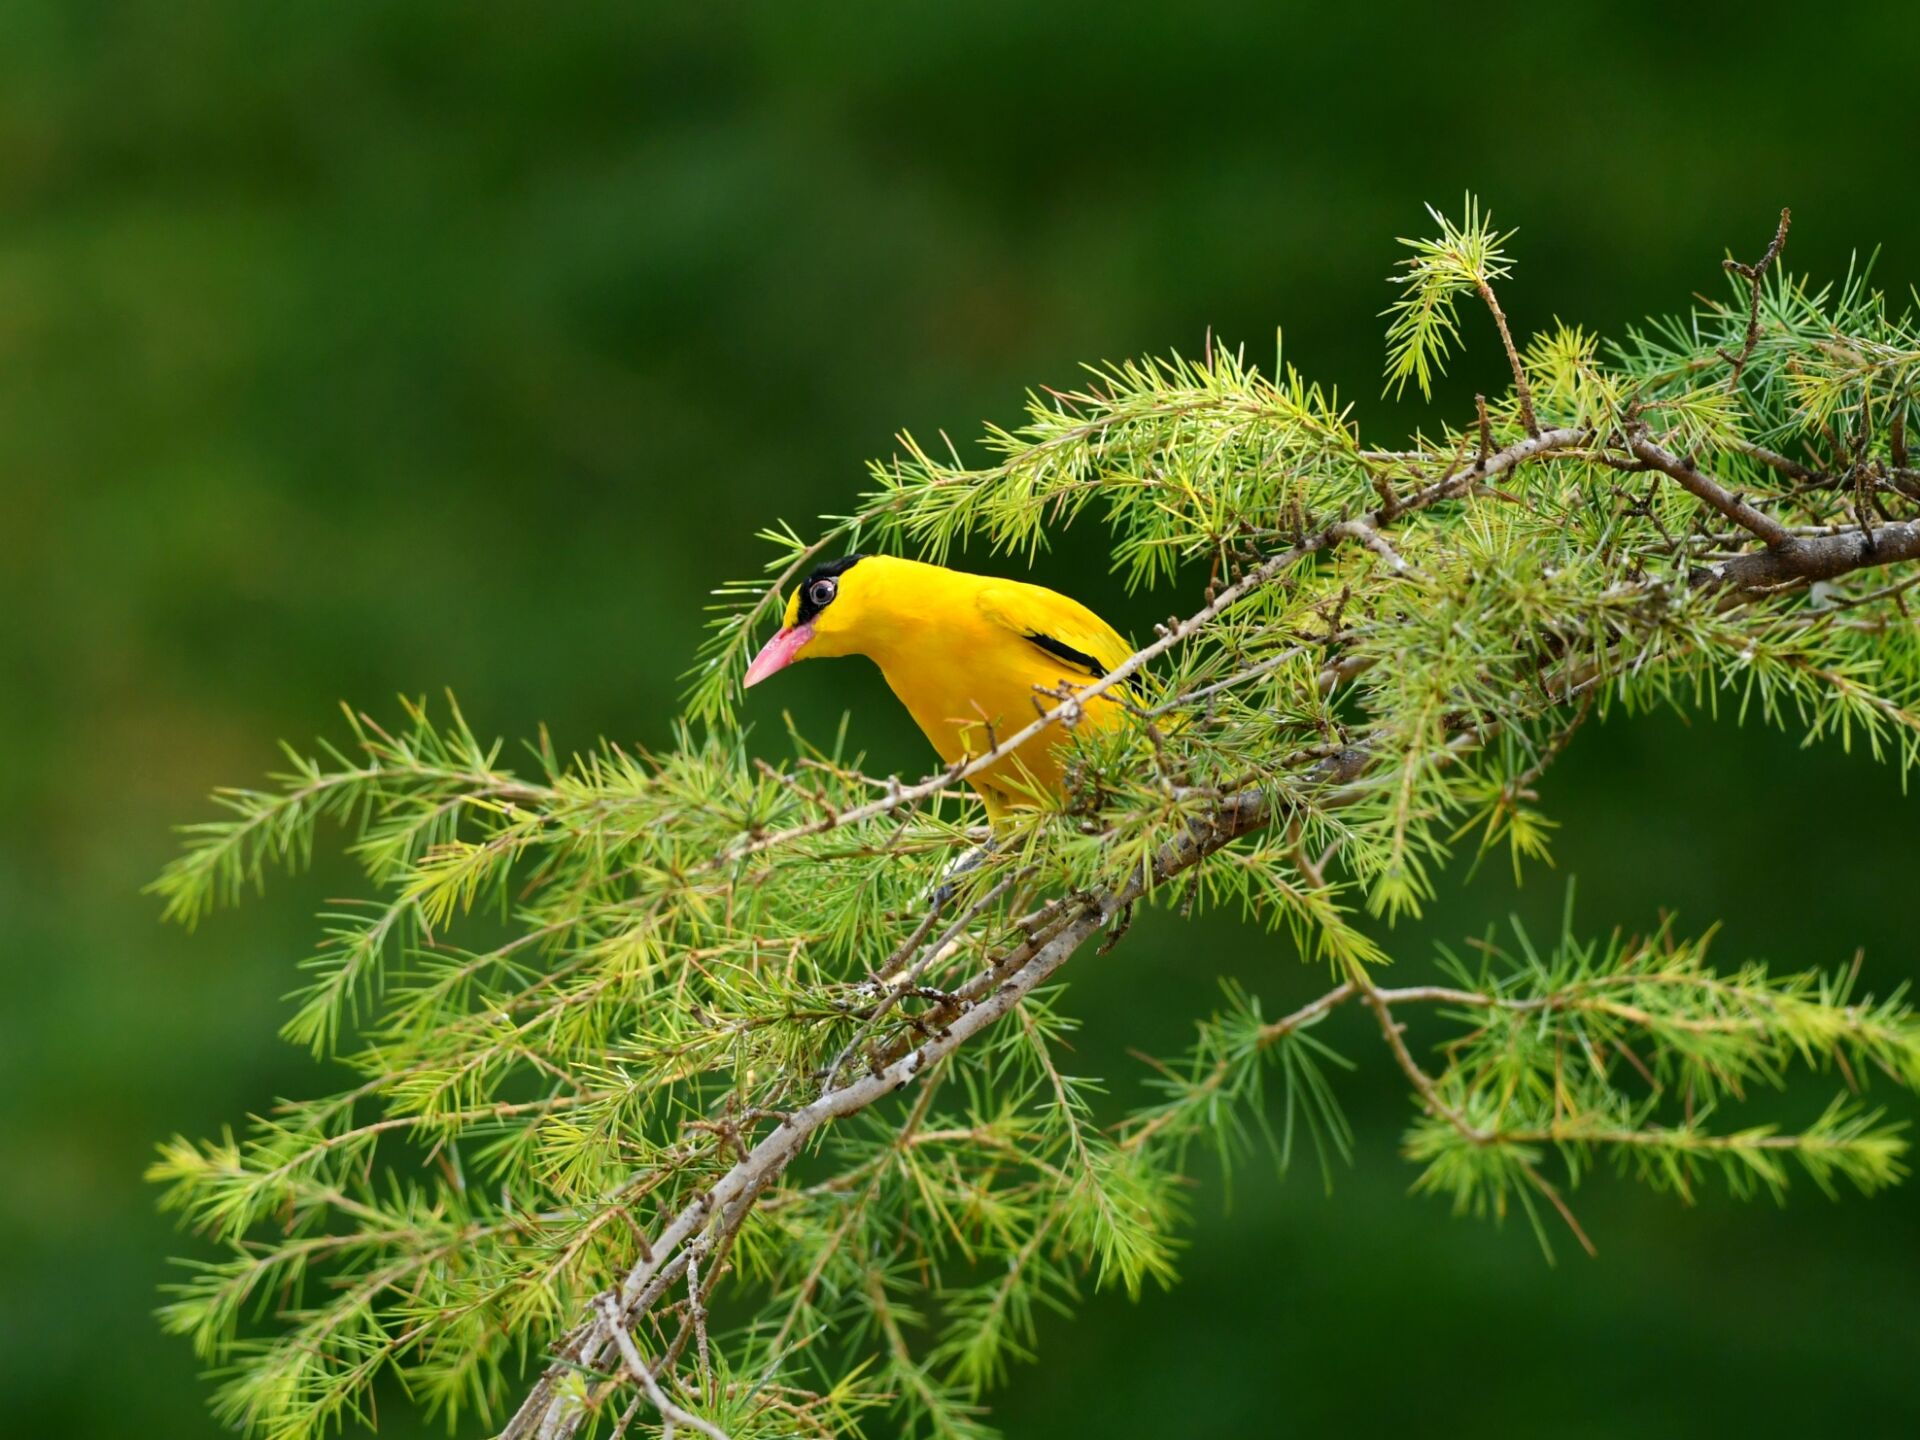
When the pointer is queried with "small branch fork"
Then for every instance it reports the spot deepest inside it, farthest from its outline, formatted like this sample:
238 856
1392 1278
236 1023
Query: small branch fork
642 1373
1692 479
1754 274
1381 1003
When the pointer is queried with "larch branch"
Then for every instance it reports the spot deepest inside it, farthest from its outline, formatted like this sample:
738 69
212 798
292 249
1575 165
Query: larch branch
1696 482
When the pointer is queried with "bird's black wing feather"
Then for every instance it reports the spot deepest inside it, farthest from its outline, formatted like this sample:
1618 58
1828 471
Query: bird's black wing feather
1060 650
1080 660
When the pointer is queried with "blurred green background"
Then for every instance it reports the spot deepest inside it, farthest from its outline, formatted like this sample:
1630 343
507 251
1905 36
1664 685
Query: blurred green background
349 349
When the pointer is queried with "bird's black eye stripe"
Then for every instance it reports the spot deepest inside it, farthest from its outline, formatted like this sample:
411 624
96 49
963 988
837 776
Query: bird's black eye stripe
822 585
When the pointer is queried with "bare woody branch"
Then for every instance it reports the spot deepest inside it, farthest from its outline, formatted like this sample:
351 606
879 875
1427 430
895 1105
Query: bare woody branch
1692 479
1824 557
1522 391
1754 275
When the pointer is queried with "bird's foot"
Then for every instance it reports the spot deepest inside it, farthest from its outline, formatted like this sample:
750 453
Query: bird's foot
942 894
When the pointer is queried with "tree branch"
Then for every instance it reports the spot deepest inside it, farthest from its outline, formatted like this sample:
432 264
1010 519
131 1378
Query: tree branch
1066 925
1068 712
1825 557
1754 274
705 1005
1711 491
637 1367
551 1417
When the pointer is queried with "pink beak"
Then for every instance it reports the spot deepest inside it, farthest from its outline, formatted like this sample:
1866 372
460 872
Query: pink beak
778 653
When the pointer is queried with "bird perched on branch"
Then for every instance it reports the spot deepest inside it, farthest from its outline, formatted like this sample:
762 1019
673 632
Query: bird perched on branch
975 659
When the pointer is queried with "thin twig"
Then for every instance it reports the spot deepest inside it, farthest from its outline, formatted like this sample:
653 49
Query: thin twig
1394 1033
697 1311
637 1367
1429 1091
1368 536
1753 274
1521 390
1787 466
1239 677
904 984
1697 483
1307 1014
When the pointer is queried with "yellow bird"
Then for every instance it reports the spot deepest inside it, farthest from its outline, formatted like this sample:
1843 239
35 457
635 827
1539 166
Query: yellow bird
968 655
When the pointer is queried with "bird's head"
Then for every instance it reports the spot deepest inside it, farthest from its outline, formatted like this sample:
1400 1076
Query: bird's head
822 619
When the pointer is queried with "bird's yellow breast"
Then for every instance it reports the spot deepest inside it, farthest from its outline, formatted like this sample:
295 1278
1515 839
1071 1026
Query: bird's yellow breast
968 701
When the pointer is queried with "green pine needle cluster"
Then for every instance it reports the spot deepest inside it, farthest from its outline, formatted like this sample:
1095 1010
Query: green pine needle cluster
696 1091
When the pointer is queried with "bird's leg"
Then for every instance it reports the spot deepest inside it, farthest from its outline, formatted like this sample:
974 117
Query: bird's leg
964 864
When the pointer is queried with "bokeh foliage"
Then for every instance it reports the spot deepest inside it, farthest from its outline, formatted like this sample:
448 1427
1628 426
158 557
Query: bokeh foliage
356 350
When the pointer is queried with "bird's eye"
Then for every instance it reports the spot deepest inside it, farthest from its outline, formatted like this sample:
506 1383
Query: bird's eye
820 593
